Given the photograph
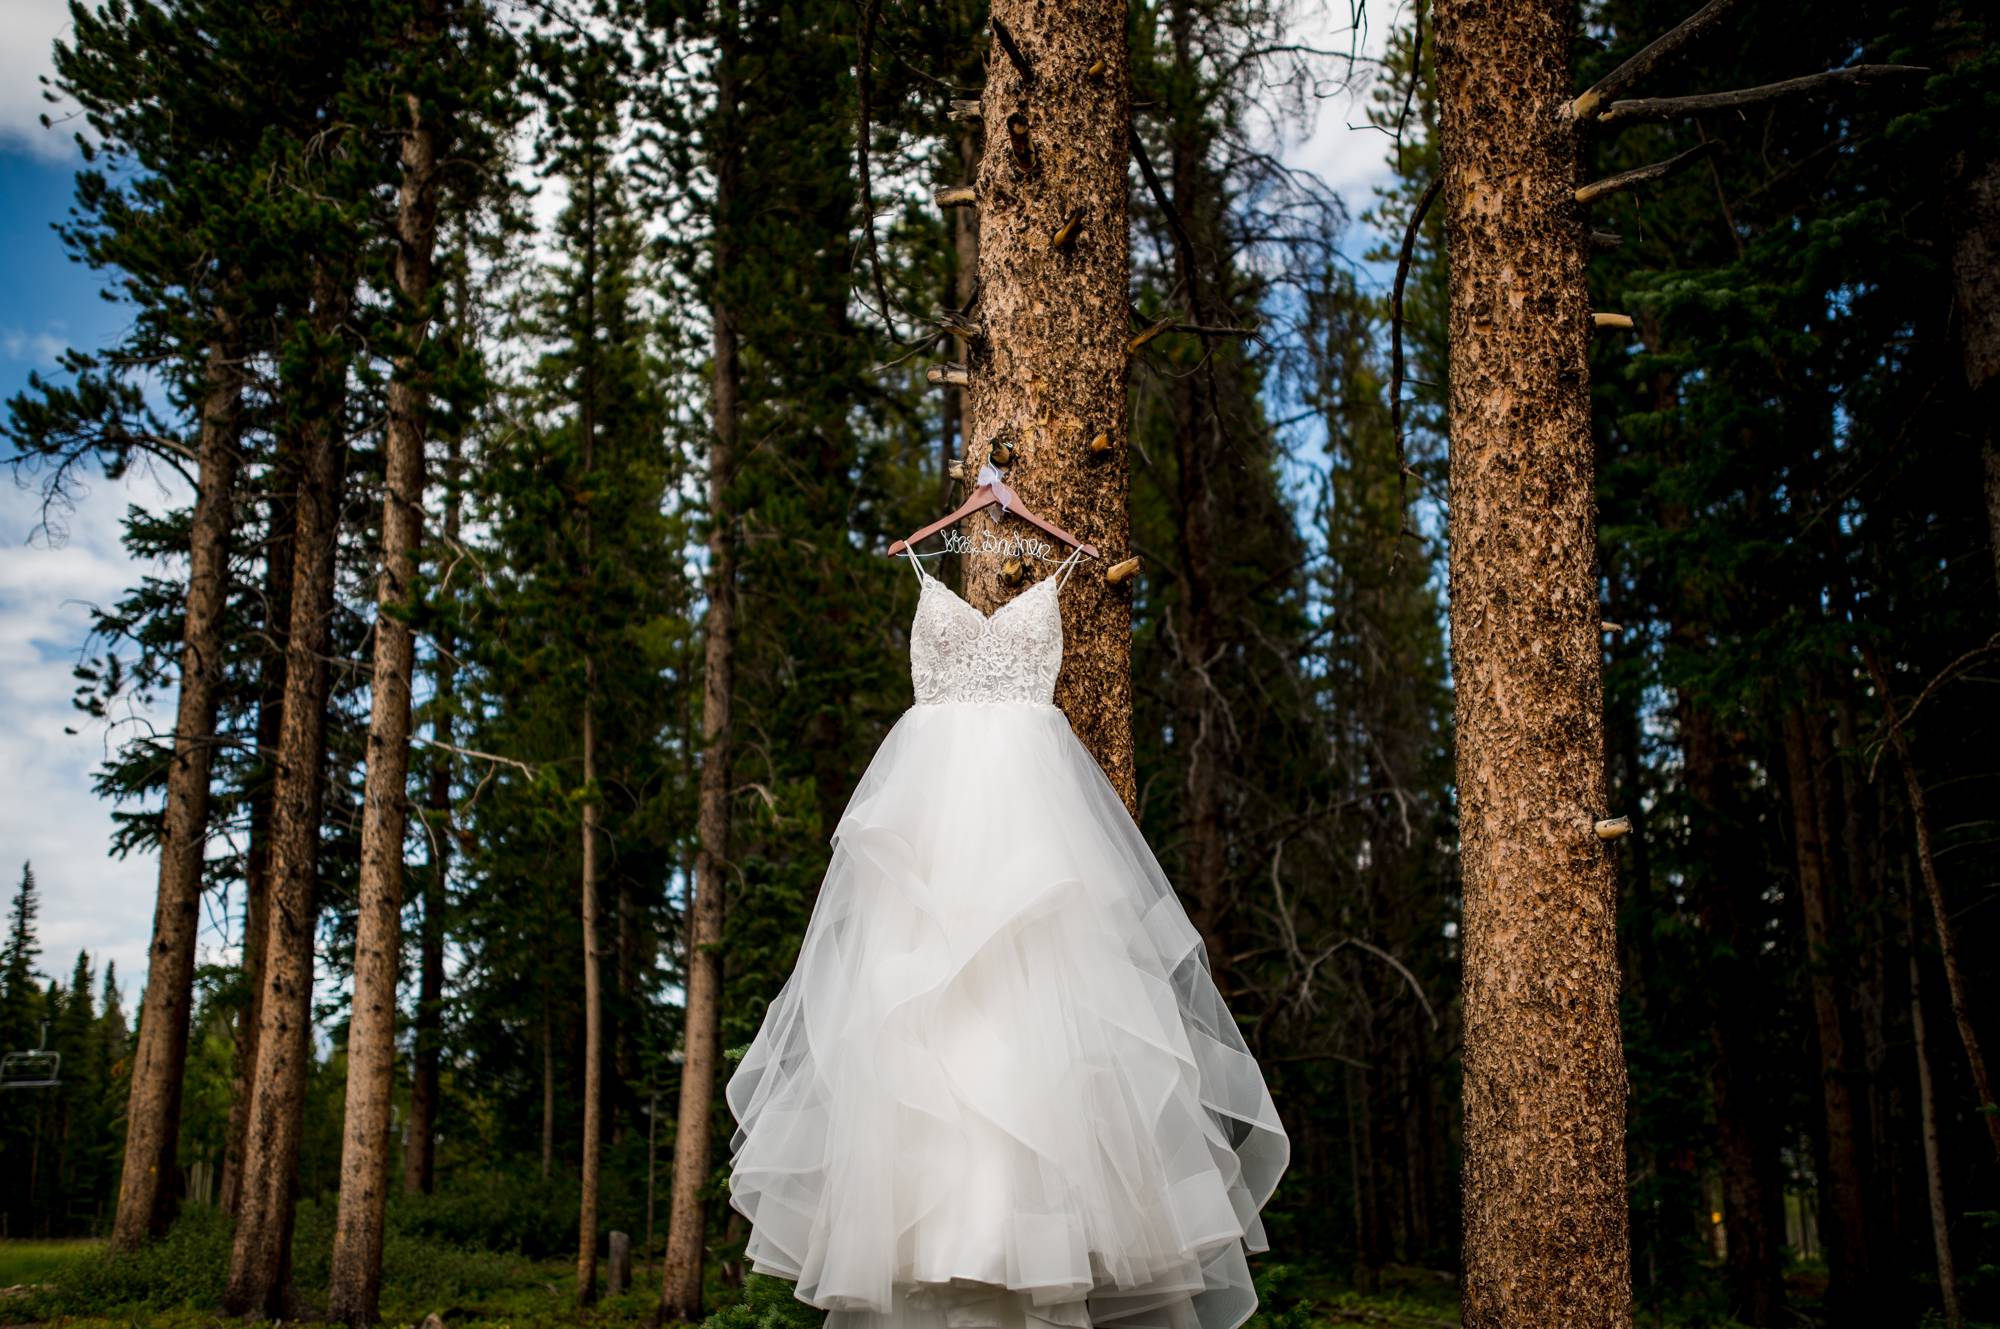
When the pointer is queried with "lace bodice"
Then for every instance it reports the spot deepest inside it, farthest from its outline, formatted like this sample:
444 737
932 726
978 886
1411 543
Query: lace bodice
958 654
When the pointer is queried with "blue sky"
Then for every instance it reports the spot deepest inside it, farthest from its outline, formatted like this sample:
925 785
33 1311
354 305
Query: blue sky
47 812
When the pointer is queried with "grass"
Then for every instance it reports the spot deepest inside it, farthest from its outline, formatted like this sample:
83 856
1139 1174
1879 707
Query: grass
28 1262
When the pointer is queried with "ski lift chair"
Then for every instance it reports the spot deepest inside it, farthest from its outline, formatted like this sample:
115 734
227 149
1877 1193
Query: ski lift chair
38 1068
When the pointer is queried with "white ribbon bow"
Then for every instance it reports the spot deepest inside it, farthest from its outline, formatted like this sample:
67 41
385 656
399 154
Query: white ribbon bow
989 475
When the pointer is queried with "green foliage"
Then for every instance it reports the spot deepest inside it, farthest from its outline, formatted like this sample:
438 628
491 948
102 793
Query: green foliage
766 1303
494 1212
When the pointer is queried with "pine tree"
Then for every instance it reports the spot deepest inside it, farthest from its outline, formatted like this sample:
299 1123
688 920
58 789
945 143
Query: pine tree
1544 1075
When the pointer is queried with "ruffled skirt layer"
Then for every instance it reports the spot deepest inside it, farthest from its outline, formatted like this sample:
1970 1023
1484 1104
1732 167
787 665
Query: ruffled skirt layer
1000 1088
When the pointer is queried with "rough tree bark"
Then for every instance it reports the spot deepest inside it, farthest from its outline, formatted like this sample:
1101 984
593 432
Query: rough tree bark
147 1189
687 1226
354 1291
260 1255
1546 1238
279 533
1048 373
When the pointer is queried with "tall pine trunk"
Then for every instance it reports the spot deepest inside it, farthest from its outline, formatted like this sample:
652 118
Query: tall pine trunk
1843 1199
1546 1237
687 1222
280 532
1927 1127
148 1187
260 1256
420 1155
355 1289
593 973
1048 372
1747 1147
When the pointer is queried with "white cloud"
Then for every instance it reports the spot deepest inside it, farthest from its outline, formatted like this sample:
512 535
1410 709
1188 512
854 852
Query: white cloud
27 32
39 349
48 815
1347 153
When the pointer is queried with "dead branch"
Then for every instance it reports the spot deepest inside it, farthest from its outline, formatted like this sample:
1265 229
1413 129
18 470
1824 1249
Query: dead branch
1403 260
1655 54
1642 110
1006 40
1612 184
956 196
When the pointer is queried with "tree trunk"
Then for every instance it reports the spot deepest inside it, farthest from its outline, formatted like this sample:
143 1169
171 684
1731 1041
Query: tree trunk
1546 1237
593 974
147 1189
260 1255
687 1223
1048 373
1844 1195
1201 728
1946 931
1927 1121
1746 1150
420 1155
965 279
279 541
548 1089
355 1289
593 1011
1975 271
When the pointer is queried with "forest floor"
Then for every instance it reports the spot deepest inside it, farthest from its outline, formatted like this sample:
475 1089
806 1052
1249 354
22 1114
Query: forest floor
174 1285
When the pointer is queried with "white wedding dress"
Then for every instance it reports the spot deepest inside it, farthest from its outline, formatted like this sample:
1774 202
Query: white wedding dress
1000 1088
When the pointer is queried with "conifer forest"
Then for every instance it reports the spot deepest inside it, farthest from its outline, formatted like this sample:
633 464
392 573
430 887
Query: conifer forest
1545 619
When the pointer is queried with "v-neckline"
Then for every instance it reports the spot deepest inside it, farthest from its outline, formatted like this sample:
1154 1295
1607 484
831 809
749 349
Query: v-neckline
929 580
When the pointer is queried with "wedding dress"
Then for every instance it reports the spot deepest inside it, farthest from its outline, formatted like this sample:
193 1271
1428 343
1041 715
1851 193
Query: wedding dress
1000 1088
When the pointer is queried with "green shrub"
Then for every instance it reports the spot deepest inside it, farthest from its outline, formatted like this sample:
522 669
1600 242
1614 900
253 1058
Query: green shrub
767 1303
493 1212
187 1267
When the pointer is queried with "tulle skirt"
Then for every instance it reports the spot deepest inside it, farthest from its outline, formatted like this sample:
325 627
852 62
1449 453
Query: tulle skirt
1000 1088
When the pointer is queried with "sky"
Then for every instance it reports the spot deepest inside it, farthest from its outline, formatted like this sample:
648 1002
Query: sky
50 578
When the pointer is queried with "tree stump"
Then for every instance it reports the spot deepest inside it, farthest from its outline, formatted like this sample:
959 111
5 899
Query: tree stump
620 1275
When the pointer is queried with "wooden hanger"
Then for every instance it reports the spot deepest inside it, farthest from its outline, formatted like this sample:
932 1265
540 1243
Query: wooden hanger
993 490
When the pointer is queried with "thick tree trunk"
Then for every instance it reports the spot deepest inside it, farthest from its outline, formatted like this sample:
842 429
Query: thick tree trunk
1843 1198
355 1289
687 1223
279 535
1048 373
260 1256
1546 1238
148 1187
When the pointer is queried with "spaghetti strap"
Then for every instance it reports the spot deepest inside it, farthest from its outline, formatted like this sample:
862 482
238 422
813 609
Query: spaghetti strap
915 566
1068 566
